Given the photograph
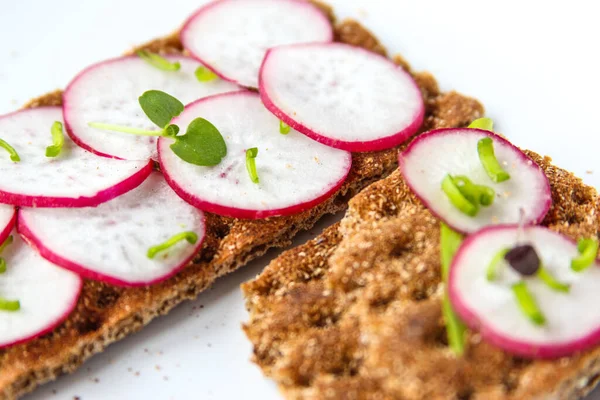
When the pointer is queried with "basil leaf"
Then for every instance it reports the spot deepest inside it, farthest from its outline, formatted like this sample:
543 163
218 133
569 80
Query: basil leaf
201 145
160 107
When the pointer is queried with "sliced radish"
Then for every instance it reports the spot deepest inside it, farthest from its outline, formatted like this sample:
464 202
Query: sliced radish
8 217
108 92
76 178
295 173
342 96
110 242
572 321
47 294
232 36
525 197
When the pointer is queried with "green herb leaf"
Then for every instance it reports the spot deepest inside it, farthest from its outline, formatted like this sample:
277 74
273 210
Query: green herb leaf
527 303
13 153
157 61
588 250
551 281
485 149
204 74
201 145
9 305
457 198
251 164
160 107
492 269
191 238
171 130
58 139
284 128
483 123
126 129
2 265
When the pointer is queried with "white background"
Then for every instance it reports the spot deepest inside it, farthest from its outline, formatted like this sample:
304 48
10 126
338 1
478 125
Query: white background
535 65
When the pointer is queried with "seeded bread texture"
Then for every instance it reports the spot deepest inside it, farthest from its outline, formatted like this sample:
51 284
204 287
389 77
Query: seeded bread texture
106 313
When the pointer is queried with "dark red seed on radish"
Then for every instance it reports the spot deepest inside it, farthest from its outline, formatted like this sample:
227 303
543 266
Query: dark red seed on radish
523 259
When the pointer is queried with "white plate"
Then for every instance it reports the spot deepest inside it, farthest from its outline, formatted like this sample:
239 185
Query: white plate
532 64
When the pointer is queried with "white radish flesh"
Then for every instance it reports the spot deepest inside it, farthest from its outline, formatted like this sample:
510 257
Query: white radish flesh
110 242
108 92
342 96
433 155
232 36
47 294
572 321
75 178
8 216
295 172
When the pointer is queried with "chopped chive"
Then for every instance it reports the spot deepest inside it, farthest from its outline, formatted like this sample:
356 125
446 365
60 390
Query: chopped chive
9 305
457 198
485 148
191 238
251 164
6 243
476 194
492 269
2 265
284 128
125 129
588 250
450 241
58 139
551 281
527 303
158 61
483 123
11 150
204 74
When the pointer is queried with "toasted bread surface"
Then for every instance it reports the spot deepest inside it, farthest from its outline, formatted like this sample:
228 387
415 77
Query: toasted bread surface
106 313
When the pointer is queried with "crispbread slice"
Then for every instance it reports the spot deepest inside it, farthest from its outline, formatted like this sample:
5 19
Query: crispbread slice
106 313
356 312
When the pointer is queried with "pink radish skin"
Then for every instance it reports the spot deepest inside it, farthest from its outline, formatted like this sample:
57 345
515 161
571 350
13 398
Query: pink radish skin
76 178
43 307
348 127
432 155
8 217
280 157
471 294
234 47
86 99
148 226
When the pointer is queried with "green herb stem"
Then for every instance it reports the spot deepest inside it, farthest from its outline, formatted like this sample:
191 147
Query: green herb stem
485 148
6 243
204 74
552 282
2 265
158 61
457 198
483 123
476 194
9 305
11 150
190 237
284 128
450 241
125 129
251 164
527 303
58 140
492 269
588 251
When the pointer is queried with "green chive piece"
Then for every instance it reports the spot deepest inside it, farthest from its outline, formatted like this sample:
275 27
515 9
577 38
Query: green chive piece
588 250
492 269
58 140
485 148
483 123
284 128
204 74
6 243
552 282
476 194
450 241
191 238
528 304
11 150
2 265
9 305
158 61
251 164
457 198
124 129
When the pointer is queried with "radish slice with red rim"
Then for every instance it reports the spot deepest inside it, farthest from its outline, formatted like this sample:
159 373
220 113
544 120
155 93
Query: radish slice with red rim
110 242
524 198
108 93
295 173
46 293
343 96
8 217
490 306
232 36
75 178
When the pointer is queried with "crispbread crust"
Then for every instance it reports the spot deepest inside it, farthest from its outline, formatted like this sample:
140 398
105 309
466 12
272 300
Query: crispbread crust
106 313
356 312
